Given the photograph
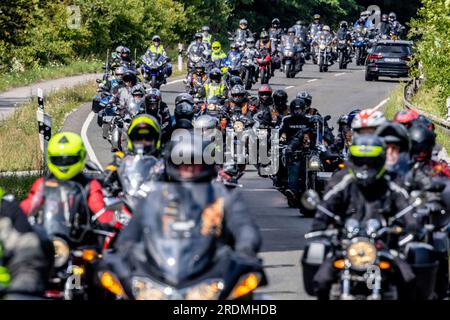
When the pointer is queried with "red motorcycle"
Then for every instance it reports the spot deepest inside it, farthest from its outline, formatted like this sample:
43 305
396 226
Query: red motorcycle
264 68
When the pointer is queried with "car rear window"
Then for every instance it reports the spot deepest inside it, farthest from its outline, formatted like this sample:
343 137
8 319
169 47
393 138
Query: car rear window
393 48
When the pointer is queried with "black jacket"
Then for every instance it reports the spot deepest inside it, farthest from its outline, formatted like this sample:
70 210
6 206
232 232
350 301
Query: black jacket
24 253
346 199
237 228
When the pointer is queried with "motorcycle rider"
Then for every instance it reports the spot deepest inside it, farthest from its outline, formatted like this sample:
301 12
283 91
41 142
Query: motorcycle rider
243 28
345 134
275 31
122 92
301 31
364 17
158 48
343 33
206 36
25 260
66 157
396 26
217 56
251 51
196 48
197 80
238 100
144 138
398 145
315 26
184 113
157 108
384 27
265 46
325 33
265 100
292 124
363 193
189 185
214 87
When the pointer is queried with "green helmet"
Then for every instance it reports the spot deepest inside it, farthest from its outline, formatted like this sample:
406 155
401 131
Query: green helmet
144 128
66 155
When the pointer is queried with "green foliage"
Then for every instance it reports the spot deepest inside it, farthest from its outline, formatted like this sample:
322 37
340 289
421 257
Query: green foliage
432 28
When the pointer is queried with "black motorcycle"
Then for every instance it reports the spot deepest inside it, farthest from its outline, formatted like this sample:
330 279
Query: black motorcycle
343 51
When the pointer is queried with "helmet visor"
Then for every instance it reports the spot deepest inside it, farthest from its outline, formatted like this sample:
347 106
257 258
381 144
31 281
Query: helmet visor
62 161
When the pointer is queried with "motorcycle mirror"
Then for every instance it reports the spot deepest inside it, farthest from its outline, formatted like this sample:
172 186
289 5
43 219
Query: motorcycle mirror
98 81
92 166
310 199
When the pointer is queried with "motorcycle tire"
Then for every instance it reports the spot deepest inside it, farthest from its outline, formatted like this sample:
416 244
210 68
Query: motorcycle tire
263 77
153 82
247 81
287 70
321 65
341 60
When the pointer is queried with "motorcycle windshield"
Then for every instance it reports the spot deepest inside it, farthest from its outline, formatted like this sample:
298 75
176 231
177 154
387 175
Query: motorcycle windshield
181 239
60 207
133 107
240 36
287 41
134 171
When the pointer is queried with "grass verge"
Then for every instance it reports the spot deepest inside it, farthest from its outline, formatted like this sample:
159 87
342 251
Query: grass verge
19 139
426 100
16 79
19 186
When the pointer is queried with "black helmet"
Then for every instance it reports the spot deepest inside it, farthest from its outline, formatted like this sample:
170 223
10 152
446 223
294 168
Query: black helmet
234 46
421 119
422 142
119 50
351 115
280 98
276 22
236 80
305 96
343 24
215 75
198 35
384 17
130 76
395 133
184 110
342 121
367 159
238 94
297 107
264 35
180 162
392 16
152 101
250 42
199 68
184 97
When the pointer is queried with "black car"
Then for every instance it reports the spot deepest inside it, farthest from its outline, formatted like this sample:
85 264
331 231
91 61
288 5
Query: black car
388 58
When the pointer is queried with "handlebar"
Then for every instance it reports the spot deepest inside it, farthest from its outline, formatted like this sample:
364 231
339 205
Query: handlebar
322 233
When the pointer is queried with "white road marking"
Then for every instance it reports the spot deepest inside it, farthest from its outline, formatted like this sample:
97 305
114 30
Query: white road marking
287 88
172 82
382 103
312 80
339 74
85 138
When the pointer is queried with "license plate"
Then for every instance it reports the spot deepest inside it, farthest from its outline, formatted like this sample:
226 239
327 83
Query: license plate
392 60
324 175
107 118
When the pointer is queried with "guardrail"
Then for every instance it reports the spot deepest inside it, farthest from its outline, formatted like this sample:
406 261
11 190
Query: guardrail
411 87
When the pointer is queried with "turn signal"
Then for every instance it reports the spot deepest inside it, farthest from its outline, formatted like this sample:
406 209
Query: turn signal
339 264
111 283
89 254
245 286
341 165
384 265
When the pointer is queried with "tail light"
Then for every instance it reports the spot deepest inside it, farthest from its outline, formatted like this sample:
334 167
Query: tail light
375 56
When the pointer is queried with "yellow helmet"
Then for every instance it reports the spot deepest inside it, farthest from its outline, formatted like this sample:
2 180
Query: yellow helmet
144 127
216 47
66 155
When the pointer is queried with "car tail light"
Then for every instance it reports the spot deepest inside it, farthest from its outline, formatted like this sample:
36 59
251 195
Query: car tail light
375 56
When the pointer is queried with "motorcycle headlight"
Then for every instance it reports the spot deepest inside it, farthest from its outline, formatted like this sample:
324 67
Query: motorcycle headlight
361 254
342 41
314 163
322 47
62 252
288 53
211 107
195 59
145 289
360 39
205 291
238 126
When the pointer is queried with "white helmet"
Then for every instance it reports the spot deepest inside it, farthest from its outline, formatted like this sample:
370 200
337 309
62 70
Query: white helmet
326 28
368 118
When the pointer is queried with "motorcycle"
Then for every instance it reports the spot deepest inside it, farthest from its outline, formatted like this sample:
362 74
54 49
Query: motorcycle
177 261
248 70
360 48
76 241
324 53
153 68
343 53
365 256
290 57
264 66
239 39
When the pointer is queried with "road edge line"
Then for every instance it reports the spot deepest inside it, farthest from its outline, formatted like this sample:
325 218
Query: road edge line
87 144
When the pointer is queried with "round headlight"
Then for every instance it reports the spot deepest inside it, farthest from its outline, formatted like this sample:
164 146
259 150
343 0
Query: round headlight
62 252
238 126
361 254
322 47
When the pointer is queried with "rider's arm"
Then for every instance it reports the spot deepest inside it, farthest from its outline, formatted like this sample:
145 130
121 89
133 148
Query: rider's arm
34 198
96 204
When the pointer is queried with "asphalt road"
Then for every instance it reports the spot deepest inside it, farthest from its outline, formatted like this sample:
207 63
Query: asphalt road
334 93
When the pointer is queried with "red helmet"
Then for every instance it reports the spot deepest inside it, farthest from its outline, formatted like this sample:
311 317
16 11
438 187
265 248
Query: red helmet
265 94
406 117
